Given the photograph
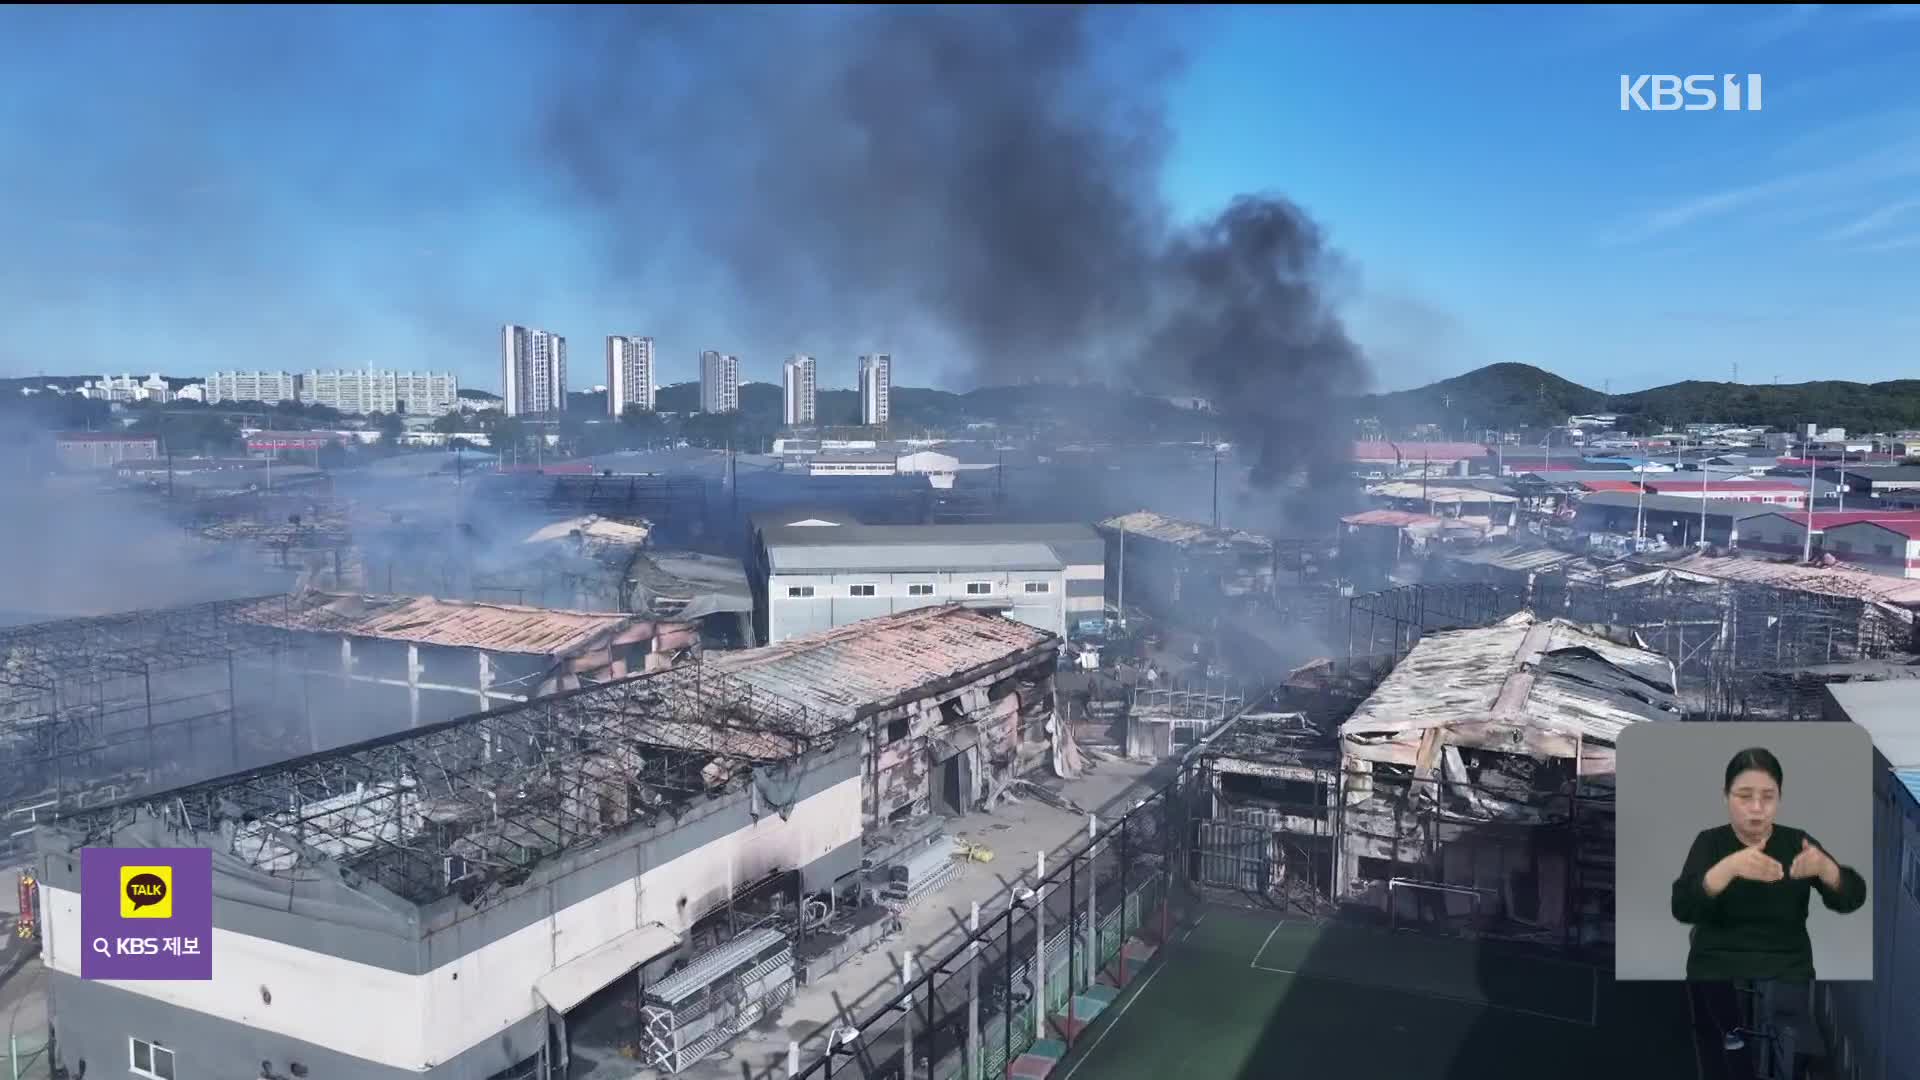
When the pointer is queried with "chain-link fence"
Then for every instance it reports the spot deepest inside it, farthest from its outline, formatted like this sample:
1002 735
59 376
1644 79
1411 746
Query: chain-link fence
1080 923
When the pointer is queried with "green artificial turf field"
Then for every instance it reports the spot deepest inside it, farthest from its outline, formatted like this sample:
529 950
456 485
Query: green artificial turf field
1241 996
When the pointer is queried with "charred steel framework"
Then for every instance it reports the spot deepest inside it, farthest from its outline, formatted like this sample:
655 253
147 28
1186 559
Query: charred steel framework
90 707
652 496
1246 852
1137 875
470 805
1389 623
1746 645
1067 924
1741 648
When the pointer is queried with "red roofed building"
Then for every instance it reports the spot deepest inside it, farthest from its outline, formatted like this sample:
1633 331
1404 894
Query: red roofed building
267 442
1403 454
98 449
1610 485
1776 492
1888 546
1786 533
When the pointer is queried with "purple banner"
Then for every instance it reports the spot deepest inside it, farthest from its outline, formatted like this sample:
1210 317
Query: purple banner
146 913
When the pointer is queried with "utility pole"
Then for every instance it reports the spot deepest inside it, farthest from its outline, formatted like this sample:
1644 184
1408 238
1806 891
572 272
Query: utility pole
1640 509
1813 471
1216 485
1703 508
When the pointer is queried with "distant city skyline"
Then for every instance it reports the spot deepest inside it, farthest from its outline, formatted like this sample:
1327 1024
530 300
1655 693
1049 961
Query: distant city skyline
384 192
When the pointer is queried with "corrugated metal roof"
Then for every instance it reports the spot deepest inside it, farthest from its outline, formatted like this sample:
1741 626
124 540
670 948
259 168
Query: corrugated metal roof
1518 557
1910 779
1827 519
1824 580
1071 544
593 527
840 671
1907 527
425 620
1410 452
1475 676
1676 504
1436 493
1396 519
1176 531
911 558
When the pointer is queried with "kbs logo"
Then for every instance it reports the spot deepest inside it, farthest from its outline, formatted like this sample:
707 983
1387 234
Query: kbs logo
1689 93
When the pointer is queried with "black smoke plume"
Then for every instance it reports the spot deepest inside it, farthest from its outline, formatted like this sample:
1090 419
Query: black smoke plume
979 183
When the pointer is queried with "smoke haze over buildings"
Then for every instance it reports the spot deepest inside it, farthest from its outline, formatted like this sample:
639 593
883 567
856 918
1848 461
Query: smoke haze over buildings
981 183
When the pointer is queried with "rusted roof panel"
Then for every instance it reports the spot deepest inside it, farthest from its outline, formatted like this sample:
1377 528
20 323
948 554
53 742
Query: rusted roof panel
1437 493
1175 531
837 672
1824 580
425 620
1522 673
1394 519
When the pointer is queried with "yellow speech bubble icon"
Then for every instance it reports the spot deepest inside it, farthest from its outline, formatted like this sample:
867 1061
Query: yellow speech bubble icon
146 892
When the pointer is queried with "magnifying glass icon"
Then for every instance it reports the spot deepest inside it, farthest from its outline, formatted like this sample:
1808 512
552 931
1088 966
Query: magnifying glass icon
100 946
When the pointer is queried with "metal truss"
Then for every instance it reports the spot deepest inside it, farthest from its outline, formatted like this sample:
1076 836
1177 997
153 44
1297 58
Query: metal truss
469 806
45 655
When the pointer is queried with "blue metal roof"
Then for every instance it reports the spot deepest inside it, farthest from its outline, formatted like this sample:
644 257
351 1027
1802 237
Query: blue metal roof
1911 778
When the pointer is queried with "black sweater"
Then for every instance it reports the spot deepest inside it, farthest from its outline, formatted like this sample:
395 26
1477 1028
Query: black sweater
1754 929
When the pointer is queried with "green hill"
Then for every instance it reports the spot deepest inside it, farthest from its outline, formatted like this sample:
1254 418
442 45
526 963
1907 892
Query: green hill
1520 395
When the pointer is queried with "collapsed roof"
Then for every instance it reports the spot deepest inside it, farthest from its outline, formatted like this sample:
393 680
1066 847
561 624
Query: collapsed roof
1541 687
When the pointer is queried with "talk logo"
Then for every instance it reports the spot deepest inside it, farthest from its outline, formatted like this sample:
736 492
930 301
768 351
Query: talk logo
146 892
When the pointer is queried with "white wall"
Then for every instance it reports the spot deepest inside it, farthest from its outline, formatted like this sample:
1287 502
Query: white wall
833 604
416 1021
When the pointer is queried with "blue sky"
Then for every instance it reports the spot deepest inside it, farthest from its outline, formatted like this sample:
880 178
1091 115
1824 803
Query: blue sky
199 189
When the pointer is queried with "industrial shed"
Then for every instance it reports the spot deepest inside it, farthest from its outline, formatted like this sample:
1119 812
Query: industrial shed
452 657
1166 562
101 708
953 703
815 574
1479 774
440 903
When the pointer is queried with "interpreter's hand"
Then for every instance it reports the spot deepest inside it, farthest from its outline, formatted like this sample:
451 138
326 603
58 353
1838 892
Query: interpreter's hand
1754 865
1814 863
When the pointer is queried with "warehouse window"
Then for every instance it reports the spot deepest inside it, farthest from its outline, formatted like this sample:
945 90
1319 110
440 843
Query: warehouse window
1883 550
979 588
1036 586
150 1059
859 590
798 591
919 590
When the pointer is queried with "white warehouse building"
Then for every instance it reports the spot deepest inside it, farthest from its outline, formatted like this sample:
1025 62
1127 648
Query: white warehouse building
436 903
814 573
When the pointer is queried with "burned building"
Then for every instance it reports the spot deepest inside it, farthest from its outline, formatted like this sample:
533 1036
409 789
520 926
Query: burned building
708 591
452 657
1477 779
1165 564
1272 781
460 899
953 703
96 709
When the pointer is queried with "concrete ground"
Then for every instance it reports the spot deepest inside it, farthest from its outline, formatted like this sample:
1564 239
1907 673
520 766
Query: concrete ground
1015 832
23 1002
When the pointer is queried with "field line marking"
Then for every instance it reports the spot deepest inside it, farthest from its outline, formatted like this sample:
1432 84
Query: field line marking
1582 1022
1255 962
